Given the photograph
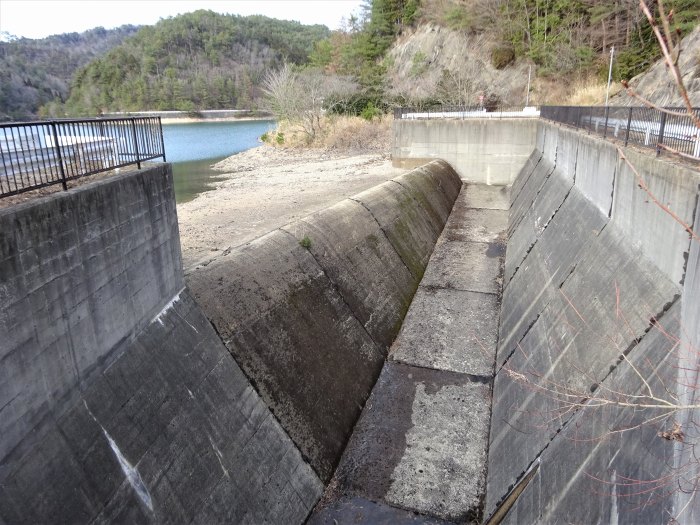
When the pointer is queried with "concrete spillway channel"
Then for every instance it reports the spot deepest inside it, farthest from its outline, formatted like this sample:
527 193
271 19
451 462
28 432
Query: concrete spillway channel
418 452
310 313
134 396
359 365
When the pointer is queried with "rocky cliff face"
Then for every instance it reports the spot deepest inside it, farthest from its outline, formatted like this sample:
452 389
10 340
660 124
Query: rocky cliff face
455 67
657 84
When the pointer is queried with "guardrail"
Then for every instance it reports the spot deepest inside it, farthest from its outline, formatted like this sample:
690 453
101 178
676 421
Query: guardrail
43 153
643 126
464 112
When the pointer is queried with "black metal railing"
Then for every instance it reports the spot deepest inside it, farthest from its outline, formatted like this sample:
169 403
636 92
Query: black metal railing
464 112
43 153
672 129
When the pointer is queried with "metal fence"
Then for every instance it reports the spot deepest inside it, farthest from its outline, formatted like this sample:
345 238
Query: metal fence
642 126
464 112
43 153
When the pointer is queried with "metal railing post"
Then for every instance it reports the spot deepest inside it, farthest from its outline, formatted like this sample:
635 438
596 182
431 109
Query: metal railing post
58 155
629 124
162 140
136 142
662 127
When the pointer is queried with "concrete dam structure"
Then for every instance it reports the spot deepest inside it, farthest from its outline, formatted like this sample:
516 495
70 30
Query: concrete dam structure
506 335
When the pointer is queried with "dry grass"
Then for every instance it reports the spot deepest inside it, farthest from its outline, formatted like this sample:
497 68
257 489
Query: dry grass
592 93
339 134
575 92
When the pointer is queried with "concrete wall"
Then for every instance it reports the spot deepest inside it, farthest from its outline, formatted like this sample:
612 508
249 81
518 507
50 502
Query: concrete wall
599 301
310 310
119 401
485 151
80 272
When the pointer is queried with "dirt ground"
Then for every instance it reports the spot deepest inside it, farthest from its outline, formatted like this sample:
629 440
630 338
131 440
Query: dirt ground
264 188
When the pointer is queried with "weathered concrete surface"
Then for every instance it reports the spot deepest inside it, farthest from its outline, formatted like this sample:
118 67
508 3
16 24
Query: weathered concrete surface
171 432
414 445
545 205
281 318
547 265
450 330
688 378
482 151
596 168
410 231
134 412
421 441
606 474
479 215
357 257
472 266
606 272
480 196
524 175
645 223
80 272
309 311
358 510
601 310
522 202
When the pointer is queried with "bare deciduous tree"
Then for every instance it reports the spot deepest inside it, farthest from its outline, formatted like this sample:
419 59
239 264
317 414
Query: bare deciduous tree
303 97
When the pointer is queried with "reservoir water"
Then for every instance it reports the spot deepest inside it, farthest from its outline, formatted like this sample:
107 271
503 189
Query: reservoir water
193 147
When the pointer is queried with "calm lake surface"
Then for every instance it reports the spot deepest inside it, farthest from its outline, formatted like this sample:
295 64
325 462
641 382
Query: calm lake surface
194 147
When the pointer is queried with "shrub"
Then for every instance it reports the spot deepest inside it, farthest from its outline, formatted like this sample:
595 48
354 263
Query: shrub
370 111
305 242
502 56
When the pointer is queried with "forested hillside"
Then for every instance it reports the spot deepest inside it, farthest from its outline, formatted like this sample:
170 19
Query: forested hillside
455 50
34 72
418 52
200 60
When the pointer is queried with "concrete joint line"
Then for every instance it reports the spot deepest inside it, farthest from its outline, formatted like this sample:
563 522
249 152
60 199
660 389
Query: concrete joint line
432 287
539 190
654 320
583 402
527 331
336 290
612 191
512 496
534 168
549 219
383 232
472 378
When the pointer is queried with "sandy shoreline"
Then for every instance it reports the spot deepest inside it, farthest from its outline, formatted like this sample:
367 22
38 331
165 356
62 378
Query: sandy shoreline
265 188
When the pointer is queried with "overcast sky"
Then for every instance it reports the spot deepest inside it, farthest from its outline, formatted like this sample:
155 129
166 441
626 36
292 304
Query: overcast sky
40 18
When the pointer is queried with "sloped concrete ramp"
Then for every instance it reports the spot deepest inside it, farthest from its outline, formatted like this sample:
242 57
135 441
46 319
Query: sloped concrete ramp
309 311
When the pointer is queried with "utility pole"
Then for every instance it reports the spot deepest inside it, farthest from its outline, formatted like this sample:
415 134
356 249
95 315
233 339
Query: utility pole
527 96
607 92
